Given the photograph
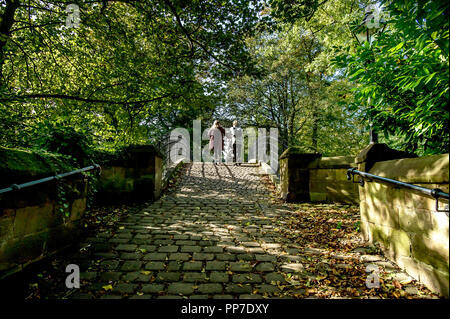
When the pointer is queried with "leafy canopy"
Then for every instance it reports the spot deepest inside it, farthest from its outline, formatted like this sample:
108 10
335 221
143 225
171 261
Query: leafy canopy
402 76
131 70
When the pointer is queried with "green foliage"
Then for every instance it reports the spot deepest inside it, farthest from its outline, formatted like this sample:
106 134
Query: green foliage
62 190
92 189
403 75
134 70
68 141
295 94
19 162
129 73
293 10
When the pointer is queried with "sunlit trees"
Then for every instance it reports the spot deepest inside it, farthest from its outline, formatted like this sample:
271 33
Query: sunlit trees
402 77
297 92
130 70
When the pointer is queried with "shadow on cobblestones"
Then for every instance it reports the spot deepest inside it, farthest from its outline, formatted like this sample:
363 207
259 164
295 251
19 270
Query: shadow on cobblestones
221 233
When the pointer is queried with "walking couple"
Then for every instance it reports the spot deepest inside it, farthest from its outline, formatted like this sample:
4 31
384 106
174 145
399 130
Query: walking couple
217 135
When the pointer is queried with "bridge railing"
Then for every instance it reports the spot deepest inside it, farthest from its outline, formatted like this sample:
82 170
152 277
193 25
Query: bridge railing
435 193
165 146
41 211
404 209
14 187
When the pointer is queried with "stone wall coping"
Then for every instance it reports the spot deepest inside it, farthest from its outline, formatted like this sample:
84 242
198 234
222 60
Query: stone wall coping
377 152
337 162
146 148
20 166
296 152
127 156
427 169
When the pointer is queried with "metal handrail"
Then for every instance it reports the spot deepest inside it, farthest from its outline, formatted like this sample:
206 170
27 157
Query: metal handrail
435 193
165 146
165 141
14 187
169 142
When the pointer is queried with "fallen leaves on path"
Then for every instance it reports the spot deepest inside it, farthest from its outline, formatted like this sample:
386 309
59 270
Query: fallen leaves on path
330 246
44 280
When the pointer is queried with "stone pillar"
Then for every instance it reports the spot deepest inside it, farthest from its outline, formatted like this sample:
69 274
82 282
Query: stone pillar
158 175
378 152
294 174
135 175
372 153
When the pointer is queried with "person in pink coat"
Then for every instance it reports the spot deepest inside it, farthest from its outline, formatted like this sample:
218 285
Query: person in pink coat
216 141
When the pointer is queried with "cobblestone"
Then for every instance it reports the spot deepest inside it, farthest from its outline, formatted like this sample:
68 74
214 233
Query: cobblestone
215 265
131 265
155 265
168 276
241 266
203 256
125 288
180 288
265 267
152 288
247 278
213 236
218 277
155 256
210 288
110 276
192 266
194 277
126 247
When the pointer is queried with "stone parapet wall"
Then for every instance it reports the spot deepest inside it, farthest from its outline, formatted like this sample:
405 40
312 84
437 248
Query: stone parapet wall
267 170
39 220
328 181
135 175
313 178
406 223
294 174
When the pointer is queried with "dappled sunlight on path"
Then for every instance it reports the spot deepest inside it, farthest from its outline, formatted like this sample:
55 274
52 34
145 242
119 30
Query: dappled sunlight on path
220 232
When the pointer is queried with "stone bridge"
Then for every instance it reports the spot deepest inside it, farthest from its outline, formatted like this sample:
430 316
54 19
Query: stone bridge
220 232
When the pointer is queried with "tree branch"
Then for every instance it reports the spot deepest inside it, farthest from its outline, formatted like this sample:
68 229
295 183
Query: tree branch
192 40
78 98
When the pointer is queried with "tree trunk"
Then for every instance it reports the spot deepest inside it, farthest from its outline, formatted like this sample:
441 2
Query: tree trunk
315 130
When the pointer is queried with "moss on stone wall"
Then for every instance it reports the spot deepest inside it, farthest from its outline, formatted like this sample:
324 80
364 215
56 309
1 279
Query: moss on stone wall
117 183
18 166
125 156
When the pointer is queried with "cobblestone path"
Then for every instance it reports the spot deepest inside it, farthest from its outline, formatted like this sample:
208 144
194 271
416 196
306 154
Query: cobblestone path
213 236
